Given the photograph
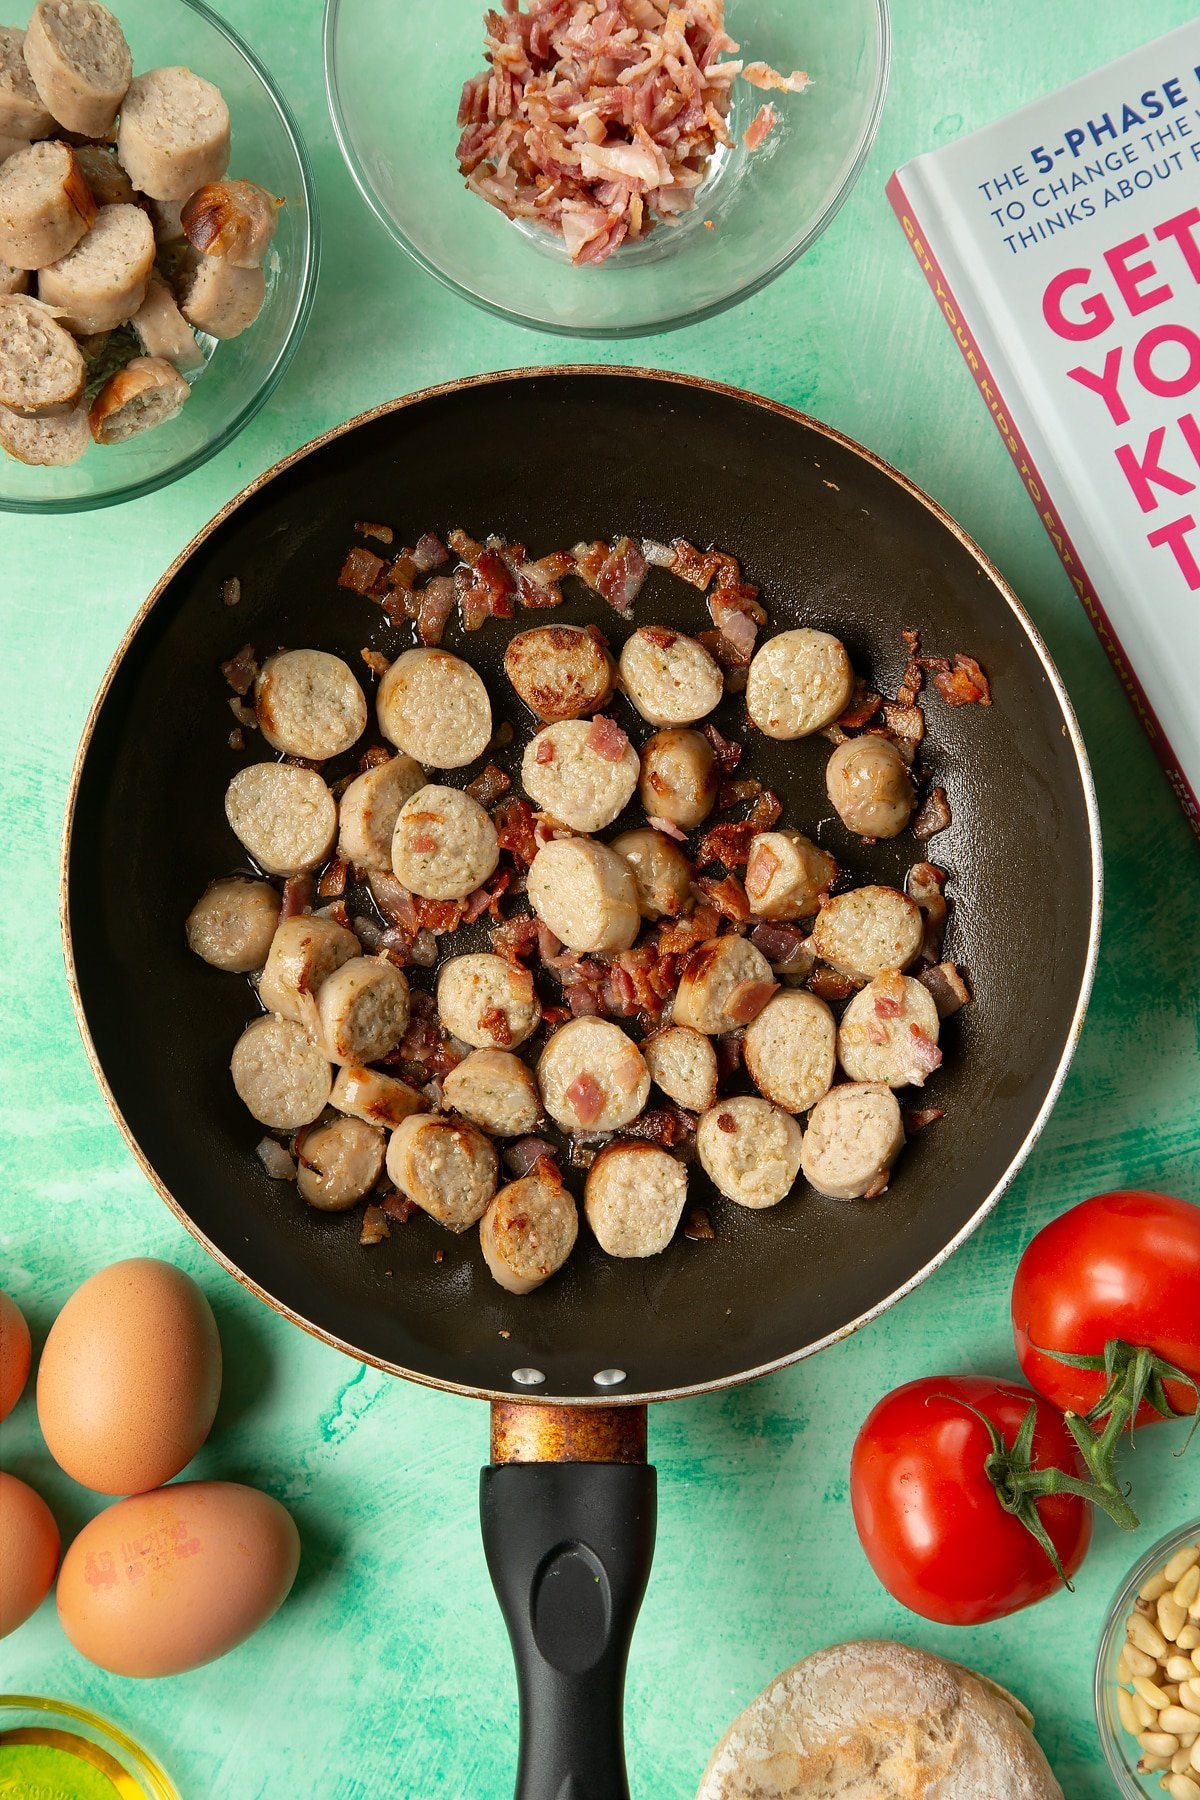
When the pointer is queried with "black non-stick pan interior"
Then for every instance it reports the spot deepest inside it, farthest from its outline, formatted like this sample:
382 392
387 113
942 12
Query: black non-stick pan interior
836 541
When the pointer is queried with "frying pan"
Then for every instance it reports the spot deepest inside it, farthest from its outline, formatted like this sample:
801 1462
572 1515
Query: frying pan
835 538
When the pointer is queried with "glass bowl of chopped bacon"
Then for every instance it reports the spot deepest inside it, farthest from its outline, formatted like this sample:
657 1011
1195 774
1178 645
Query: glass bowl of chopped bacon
606 168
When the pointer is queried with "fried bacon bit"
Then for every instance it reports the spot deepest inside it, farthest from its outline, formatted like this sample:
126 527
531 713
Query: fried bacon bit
488 786
924 884
336 910
605 739
697 567
682 935
276 1160
697 1227
914 674
748 999
397 1207
668 1127
514 821
585 1097
588 560
732 793
332 884
235 740
762 75
737 631
622 575
241 671
297 896
728 844
933 815
761 869
916 1118
435 603
727 895
668 827
766 811
394 901
729 1048
424 1053
827 984
374 1226
516 937
495 1022
726 1122
376 661
925 1056
785 947
439 915
231 591
963 685
545 751
525 1154
537 582
878 1186
864 704
727 752
464 546
430 553
367 528
374 758
401 578
946 983
362 572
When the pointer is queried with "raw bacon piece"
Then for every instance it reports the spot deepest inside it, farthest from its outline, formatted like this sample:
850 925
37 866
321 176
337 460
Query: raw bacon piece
761 126
748 999
605 738
586 1099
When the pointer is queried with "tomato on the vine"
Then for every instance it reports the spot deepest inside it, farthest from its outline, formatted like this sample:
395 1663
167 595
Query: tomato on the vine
1115 1284
950 1505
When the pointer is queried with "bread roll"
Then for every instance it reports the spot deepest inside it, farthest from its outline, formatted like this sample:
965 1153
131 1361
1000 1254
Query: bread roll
862 1720
174 133
22 111
80 63
146 392
48 442
103 281
46 205
41 366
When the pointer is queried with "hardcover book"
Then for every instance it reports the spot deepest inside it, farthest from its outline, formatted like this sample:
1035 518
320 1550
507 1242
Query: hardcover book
1062 245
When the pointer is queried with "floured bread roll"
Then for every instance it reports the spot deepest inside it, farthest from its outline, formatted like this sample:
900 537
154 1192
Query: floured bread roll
879 1721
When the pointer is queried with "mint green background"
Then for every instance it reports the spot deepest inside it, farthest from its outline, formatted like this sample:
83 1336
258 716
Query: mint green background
387 1673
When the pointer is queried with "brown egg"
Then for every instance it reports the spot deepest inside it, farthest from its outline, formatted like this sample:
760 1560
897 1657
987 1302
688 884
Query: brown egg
166 1581
28 1552
14 1354
130 1377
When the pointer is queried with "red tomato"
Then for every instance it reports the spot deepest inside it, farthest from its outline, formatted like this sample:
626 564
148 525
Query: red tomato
928 1516
1124 1266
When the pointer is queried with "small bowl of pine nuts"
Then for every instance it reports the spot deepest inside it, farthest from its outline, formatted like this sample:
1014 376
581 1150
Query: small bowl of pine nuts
1148 1673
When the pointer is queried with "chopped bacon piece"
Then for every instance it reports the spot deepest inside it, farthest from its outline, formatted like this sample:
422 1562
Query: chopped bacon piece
963 685
430 554
827 984
933 814
767 809
397 1207
297 896
761 869
375 1227
464 546
728 844
514 821
668 827
488 786
525 1154
332 884
924 884
622 575
945 982
923 1058
727 895
545 751
761 126
682 935
668 1127
605 738
434 606
439 915
241 671
784 946
732 793
729 1048
382 534
695 566
916 1118
495 1022
864 704
762 75
914 674
738 633
748 999
588 561
394 901
374 758
376 661
697 1227
362 571
537 582
516 937
727 752
585 1097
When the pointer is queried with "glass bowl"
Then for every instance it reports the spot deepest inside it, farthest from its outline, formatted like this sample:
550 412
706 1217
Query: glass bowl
394 71
239 375
1120 1749
52 1748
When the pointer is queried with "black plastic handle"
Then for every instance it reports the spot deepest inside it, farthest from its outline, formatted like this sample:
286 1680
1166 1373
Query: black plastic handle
569 1547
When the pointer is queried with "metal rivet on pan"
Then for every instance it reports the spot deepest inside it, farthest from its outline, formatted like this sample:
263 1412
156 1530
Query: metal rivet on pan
528 1377
609 1377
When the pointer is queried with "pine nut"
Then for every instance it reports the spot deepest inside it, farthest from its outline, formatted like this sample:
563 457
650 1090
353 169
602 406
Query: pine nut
1196 1757
1141 1664
1179 1668
1178 1720
1156 1585
1127 1712
1150 1765
1182 1787
1150 1692
1188 1586
1189 1693
1159 1743
1125 1672
1189 1638
1146 1636
1144 1713
1171 1617
1181 1762
1181 1562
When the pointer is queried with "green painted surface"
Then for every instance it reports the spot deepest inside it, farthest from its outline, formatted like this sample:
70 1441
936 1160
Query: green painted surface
387 1673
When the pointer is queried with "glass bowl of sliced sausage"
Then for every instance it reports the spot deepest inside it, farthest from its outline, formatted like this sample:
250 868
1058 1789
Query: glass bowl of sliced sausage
158 247
611 168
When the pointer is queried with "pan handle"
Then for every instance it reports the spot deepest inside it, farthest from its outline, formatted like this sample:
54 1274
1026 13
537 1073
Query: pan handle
568 1513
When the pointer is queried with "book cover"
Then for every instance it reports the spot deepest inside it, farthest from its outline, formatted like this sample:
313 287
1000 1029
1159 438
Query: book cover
1062 245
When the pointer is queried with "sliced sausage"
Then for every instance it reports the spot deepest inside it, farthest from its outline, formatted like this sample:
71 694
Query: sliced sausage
280 1076
165 218
46 206
790 1050
433 706
854 1136
10 145
234 220
561 671
528 1231
679 778
661 872
162 328
684 1064
309 704
377 1098
750 1150
444 845
338 1163
13 281
48 442
586 894
889 1033
108 181
174 133
634 1198
799 682
487 1002
444 1166
363 1010
868 931
786 875
42 371
80 63
369 809
303 953
592 1077
725 983
869 784
222 299
671 679
285 817
103 281
147 392
582 773
23 113
495 1090
232 924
